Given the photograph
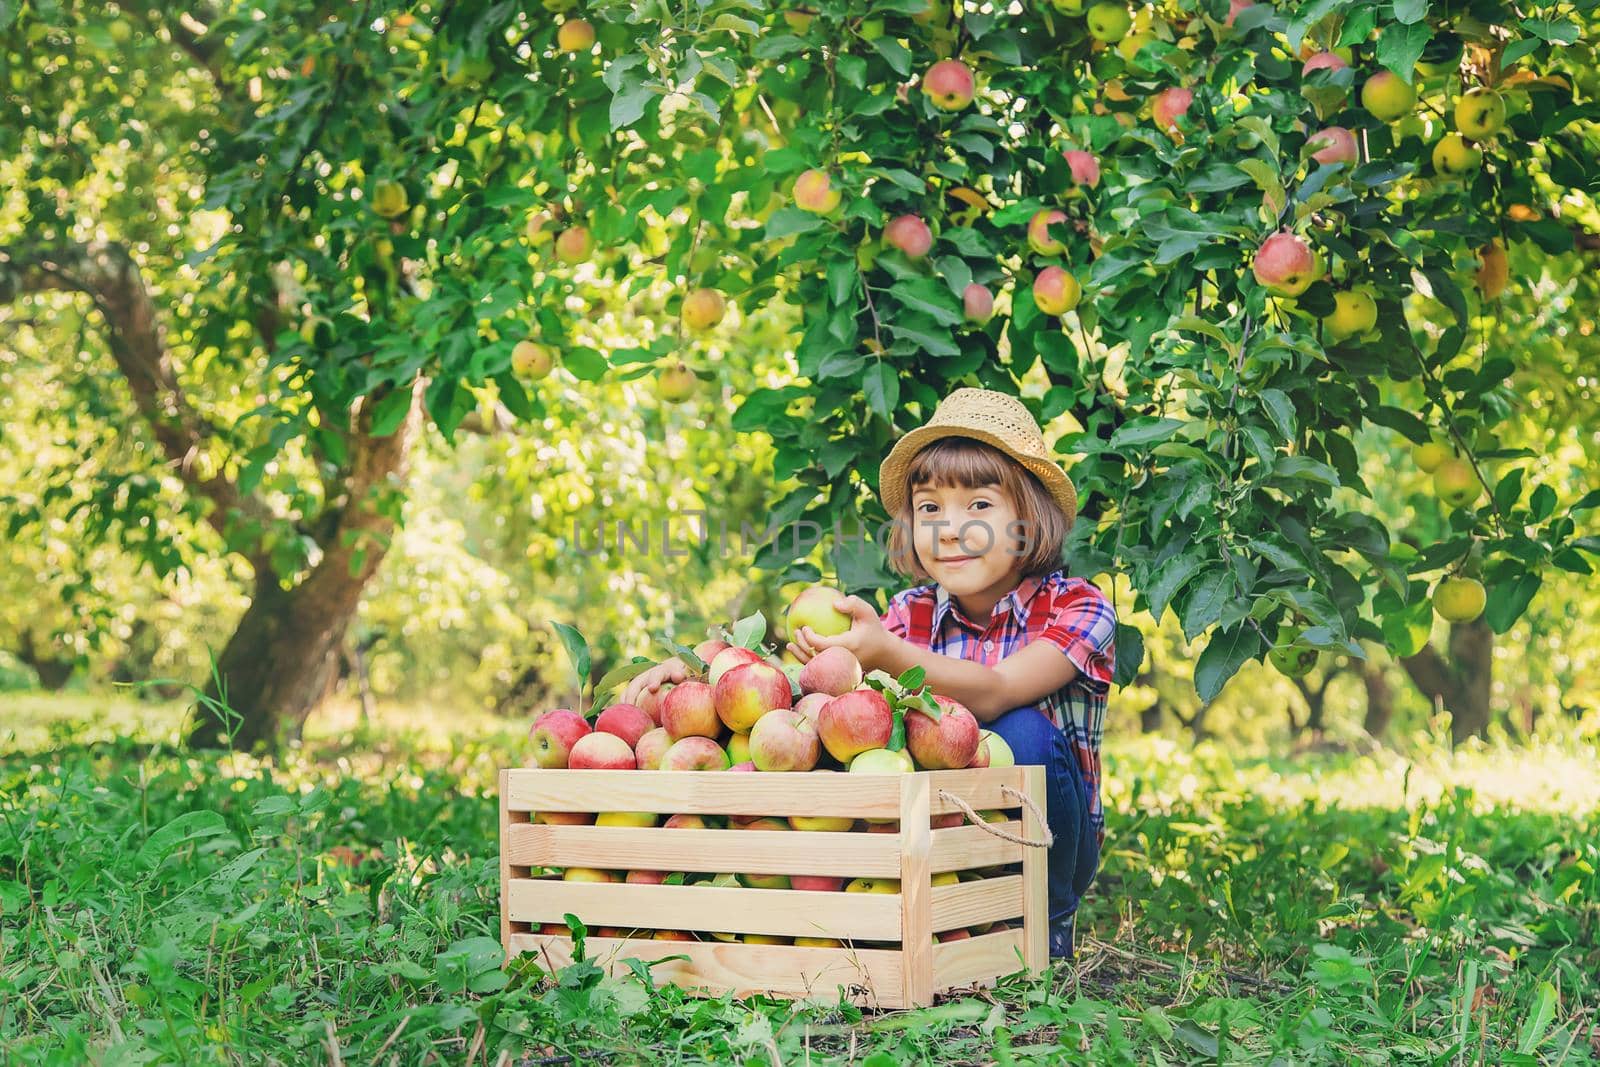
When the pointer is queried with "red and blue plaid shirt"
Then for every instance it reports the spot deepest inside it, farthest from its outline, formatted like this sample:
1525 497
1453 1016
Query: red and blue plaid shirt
1070 613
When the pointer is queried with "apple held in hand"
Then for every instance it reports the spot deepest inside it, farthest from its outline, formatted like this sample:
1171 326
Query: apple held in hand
813 608
746 693
948 744
553 734
854 723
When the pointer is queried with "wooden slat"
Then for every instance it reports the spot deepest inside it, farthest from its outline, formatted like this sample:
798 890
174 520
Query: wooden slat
959 848
505 867
706 792
872 976
975 903
1035 877
977 960
915 913
851 855
785 912
980 788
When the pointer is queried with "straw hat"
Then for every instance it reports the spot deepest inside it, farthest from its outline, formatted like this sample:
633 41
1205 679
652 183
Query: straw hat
997 419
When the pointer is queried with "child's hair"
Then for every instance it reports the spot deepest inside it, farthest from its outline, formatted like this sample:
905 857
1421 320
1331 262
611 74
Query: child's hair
972 464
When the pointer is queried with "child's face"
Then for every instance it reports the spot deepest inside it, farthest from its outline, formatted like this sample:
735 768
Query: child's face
965 538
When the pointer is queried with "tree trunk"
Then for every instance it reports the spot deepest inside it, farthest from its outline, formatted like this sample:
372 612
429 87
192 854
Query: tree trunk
1380 701
1463 682
54 672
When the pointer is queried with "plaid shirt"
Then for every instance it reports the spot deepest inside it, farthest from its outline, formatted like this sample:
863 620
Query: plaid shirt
1070 613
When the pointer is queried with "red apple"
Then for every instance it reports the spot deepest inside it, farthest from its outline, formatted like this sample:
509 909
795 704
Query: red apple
953 935
627 721
1170 105
1040 237
1084 167
695 754
1234 7
707 650
1323 61
564 818
746 766
948 744
980 758
854 723
816 883
1334 144
834 671
977 303
814 192
689 711
602 752
651 702
672 935
553 734
651 747
784 740
748 692
646 877
910 235
947 821
949 85
1285 264
1056 291
689 822
757 822
729 658
811 704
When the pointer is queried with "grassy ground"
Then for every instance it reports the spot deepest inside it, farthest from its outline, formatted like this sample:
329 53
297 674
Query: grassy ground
339 905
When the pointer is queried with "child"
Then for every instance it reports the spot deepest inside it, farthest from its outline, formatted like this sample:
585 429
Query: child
980 512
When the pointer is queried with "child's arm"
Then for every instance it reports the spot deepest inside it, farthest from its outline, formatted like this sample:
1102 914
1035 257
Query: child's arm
1020 679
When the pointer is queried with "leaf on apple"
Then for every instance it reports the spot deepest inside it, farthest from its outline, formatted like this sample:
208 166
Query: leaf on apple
621 675
897 736
749 631
912 678
578 651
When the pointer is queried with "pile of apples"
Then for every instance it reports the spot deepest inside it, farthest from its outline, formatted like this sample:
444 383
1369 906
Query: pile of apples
745 710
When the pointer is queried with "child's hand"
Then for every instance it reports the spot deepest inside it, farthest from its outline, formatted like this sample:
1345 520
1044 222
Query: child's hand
866 638
672 671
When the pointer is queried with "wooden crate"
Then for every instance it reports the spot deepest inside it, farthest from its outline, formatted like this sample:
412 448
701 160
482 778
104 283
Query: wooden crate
906 973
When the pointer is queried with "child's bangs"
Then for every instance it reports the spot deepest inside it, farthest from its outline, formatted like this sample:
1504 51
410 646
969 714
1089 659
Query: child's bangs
959 461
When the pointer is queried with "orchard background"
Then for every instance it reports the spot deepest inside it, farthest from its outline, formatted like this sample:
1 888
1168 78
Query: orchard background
268 440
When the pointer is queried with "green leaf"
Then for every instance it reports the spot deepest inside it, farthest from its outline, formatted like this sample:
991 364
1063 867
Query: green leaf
619 675
586 364
1281 410
627 106
390 411
578 653
1224 654
882 386
1508 602
1539 1019
1206 598
788 221
750 631
1130 654
1509 491
1171 578
190 826
894 53
1400 46
1144 430
1410 11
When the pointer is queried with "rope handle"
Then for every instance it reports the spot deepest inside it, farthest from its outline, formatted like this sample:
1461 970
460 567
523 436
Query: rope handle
1006 835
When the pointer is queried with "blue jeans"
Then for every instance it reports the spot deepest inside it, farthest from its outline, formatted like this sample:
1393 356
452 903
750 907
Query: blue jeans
1075 856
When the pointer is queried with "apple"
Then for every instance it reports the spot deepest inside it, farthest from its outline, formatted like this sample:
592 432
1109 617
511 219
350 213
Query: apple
389 199
564 818
587 874
746 766
1055 291
948 85
677 383
948 821
854 723
651 747
1108 21
977 303
627 721
1000 754
1084 167
531 360
728 659
1068 7
558 929
1494 270
1040 238
746 693
1459 599
690 822
1285 264
784 740
575 35
873 885
1454 158
703 309
1130 46
1456 483
799 19
764 881
1428 455
689 711
553 734
601 752
947 744
1354 312
811 705
816 883
738 747
814 192
813 608
834 671
1291 661
1323 61
1480 113
980 758
695 754
882 826
575 245
821 823
1387 97
1234 7
707 650
636 819
1334 144
818 942
672 935
882 761
952 935
1170 105
651 701
910 235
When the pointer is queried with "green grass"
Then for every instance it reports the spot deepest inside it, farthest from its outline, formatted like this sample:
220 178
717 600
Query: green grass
163 908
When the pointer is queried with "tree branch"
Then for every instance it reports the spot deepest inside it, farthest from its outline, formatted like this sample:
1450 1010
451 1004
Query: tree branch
107 274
